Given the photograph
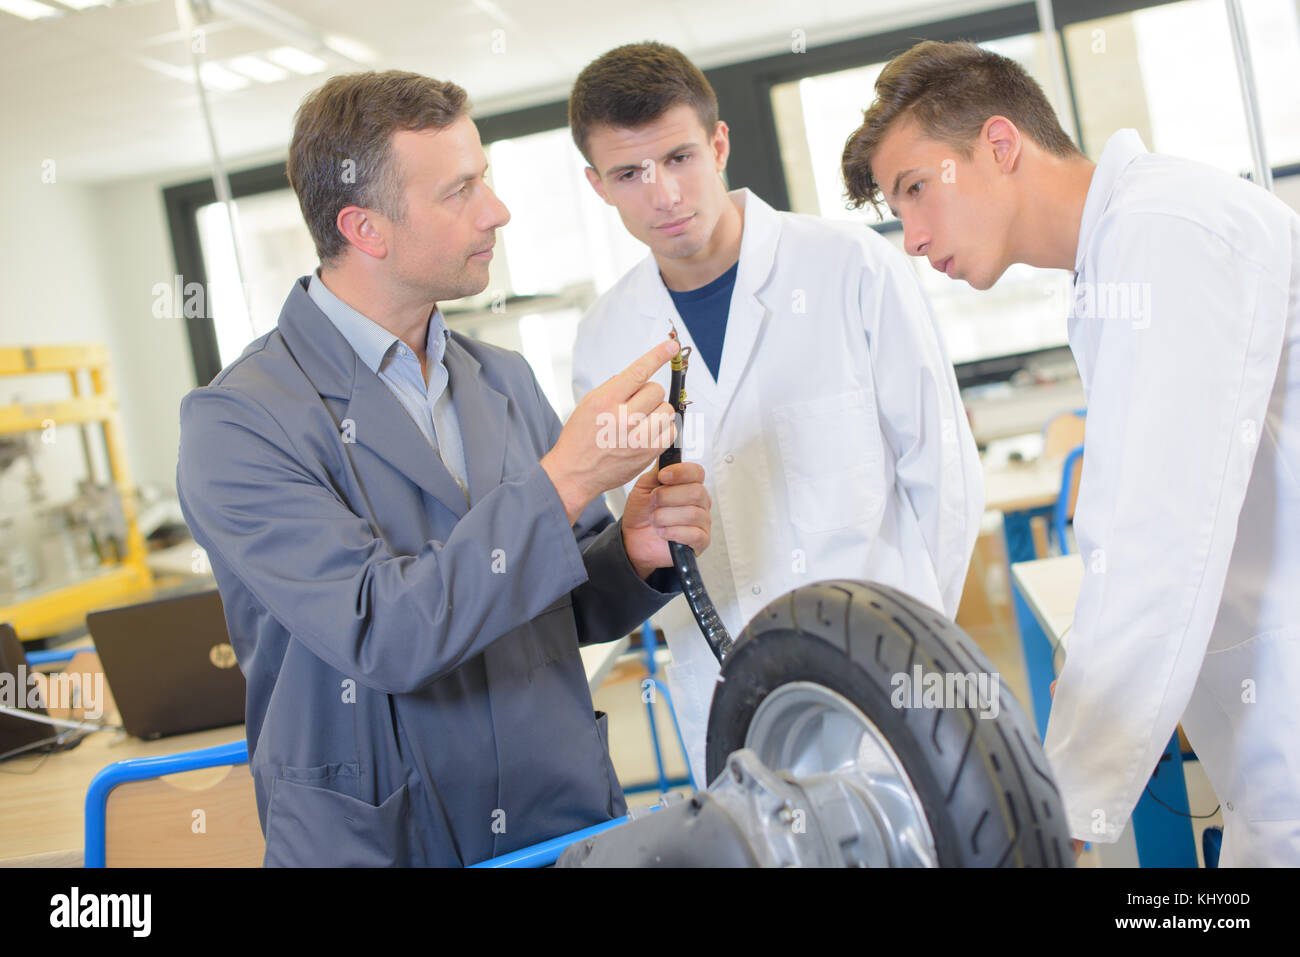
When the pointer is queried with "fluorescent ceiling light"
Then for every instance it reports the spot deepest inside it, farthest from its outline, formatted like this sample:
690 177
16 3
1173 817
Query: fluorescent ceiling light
297 33
29 9
218 77
83 4
496 13
184 74
258 69
291 58
352 49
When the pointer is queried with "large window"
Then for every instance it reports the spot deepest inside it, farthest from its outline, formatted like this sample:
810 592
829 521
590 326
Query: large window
1166 70
275 250
562 247
560 232
1024 312
1169 72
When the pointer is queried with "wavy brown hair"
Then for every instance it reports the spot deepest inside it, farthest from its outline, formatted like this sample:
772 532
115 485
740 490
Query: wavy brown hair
950 89
635 84
342 155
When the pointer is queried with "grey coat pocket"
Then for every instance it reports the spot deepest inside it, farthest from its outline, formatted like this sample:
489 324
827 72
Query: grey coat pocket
617 803
310 826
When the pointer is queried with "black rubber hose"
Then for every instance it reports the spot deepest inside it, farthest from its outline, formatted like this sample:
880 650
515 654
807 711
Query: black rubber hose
688 570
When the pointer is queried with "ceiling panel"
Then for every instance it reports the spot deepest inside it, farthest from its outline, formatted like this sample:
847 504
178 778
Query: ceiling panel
79 88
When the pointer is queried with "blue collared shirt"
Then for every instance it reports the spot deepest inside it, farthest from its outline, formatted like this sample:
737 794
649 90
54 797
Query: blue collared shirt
428 402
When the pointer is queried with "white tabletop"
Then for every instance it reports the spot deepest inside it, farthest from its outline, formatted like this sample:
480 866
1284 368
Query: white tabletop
1022 409
598 659
1051 589
184 558
1014 486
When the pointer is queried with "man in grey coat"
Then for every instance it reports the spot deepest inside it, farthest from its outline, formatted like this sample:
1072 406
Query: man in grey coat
409 547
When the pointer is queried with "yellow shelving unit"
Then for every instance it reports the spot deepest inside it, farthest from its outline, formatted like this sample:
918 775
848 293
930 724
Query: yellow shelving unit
63 608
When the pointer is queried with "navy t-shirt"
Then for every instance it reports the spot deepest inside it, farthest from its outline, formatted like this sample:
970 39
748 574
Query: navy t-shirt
704 311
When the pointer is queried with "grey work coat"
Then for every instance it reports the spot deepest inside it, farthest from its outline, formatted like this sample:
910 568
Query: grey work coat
415 692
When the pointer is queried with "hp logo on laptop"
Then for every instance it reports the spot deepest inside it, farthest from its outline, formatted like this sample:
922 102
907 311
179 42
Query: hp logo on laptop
222 655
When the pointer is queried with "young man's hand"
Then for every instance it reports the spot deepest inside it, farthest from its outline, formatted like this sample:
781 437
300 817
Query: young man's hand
671 505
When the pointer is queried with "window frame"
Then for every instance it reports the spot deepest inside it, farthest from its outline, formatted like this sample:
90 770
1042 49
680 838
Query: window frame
182 203
744 101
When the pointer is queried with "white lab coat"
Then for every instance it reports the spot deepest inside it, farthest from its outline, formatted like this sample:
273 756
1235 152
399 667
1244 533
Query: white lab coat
834 445
1188 517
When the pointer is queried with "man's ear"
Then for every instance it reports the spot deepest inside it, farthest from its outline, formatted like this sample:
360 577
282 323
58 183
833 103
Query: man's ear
594 179
1002 137
721 143
358 226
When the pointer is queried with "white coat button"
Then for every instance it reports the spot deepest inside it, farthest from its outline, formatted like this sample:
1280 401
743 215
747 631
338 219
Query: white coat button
757 590
729 459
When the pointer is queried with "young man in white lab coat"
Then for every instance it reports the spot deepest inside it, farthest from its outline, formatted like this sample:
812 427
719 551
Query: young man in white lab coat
1185 323
823 404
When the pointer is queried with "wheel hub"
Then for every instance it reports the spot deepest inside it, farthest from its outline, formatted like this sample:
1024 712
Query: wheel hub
818 736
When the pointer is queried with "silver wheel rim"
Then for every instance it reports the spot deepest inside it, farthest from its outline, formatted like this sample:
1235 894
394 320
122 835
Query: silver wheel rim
805 728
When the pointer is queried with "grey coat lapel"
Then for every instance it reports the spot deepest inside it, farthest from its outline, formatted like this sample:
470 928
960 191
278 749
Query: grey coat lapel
384 427
481 413
373 417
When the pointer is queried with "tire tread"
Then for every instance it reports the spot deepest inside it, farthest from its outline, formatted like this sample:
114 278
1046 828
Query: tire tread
992 785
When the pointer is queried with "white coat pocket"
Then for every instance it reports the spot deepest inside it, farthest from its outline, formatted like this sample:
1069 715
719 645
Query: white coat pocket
1254 684
832 459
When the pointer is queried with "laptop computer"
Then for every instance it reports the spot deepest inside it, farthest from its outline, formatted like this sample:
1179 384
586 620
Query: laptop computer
170 664
18 735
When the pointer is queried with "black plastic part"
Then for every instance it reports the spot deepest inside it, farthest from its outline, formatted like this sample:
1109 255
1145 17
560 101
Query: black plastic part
982 778
706 616
695 833
688 569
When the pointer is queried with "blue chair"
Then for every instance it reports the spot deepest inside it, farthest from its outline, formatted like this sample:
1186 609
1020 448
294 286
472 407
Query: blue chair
55 655
236 753
1063 435
538 855
1063 510
231 835
650 643
1063 431
548 852
1211 845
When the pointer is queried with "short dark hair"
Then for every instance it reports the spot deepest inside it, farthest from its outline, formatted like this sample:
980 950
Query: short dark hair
950 89
635 84
342 155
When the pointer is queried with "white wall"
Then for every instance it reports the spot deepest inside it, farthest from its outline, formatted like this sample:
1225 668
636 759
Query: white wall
151 356
52 292
79 263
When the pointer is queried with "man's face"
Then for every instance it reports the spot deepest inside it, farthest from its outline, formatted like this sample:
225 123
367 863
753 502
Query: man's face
442 248
663 179
955 211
